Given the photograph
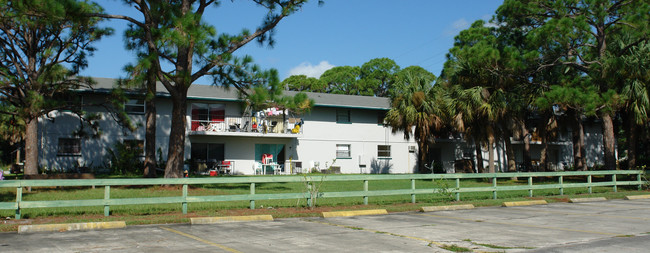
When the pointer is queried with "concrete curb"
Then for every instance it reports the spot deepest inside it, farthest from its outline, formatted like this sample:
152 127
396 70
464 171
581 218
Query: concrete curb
524 203
637 197
354 213
212 220
445 208
71 227
581 200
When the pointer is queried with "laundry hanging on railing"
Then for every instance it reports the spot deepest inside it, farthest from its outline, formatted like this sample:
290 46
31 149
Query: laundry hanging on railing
273 111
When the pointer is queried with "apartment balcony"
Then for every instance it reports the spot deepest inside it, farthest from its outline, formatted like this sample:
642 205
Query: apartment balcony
273 126
535 139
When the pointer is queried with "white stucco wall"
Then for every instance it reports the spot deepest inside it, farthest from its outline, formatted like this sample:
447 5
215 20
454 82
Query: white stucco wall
322 134
593 144
315 146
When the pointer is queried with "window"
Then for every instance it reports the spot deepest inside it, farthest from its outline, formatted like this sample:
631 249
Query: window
134 146
207 113
69 101
342 116
208 151
380 117
69 146
134 106
206 156
343 151
383 151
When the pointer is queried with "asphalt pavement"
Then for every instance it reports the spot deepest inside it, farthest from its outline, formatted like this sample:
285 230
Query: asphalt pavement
605 226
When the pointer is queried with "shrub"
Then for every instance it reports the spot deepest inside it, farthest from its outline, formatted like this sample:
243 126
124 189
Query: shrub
125 159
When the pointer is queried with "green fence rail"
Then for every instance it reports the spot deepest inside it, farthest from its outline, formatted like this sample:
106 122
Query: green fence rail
309 180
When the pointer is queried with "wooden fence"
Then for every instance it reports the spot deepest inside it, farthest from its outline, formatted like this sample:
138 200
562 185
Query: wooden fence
309 180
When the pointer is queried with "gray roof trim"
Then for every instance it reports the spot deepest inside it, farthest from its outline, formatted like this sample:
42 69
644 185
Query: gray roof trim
354 107
211 99
217 93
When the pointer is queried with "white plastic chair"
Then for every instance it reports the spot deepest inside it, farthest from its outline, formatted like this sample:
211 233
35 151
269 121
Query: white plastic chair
257 167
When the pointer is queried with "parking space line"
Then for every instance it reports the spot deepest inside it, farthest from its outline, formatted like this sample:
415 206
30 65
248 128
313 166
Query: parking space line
622 206
523 225
201 240
580 214
439 244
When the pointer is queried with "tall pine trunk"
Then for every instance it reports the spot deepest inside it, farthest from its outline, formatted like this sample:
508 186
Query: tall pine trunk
176 152
578 132
609 142
150 128
182 82
31 147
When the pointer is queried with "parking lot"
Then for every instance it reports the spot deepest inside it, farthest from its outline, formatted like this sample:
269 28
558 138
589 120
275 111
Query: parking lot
607 226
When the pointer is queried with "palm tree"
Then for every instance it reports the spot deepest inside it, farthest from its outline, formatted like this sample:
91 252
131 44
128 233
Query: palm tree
414 111
635 90
464 120
478 112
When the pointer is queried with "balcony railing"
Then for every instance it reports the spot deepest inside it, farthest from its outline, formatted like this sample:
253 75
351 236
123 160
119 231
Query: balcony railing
248 124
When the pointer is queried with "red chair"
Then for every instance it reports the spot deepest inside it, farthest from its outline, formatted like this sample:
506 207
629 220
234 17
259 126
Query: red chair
225 167
267 158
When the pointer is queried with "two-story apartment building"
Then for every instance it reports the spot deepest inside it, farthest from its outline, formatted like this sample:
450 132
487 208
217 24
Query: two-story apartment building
342 131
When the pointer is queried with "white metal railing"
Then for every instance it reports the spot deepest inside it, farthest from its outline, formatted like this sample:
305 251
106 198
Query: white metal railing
268 125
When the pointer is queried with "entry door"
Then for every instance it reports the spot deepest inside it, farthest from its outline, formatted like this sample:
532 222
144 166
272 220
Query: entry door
277 150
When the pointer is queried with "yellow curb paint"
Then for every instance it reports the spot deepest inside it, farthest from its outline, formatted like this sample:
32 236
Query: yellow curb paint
212 220
581 200
525 203
71 226
223 247
637 197
445 208
354 213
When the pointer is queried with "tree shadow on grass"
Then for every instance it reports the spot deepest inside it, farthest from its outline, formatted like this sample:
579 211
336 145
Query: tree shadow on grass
7 196
245 186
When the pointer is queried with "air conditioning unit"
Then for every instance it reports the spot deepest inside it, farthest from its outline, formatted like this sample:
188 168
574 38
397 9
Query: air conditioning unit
411 149
296 167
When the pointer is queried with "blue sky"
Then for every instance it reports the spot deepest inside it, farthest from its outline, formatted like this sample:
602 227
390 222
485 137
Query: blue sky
338 33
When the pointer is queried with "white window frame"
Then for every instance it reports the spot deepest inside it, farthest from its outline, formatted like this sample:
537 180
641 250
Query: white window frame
383 151
343 151
343 116
71 148
134 106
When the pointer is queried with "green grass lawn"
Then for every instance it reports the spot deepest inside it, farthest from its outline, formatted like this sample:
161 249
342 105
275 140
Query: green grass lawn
164 213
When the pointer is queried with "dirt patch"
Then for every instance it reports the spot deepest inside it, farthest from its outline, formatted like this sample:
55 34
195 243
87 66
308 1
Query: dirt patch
62 176
560 199
17 222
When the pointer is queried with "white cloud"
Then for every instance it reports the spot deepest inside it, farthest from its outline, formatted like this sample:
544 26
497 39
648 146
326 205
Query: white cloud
460 24
487 19
309 70
456 27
